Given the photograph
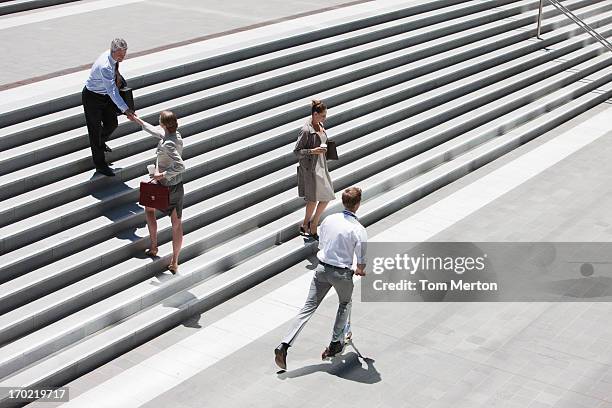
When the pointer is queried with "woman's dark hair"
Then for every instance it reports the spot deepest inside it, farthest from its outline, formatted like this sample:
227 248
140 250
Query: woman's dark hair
318 106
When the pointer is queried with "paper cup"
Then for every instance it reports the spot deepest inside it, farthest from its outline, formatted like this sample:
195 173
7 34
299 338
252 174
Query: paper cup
151 169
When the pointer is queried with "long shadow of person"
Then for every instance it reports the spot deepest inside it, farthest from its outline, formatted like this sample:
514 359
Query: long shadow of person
347 366
118 211
178 300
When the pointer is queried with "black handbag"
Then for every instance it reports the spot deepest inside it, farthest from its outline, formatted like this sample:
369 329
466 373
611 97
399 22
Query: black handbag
332 151
127 95
124 91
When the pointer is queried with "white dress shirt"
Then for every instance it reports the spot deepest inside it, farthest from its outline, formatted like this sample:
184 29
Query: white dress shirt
340 236
102 79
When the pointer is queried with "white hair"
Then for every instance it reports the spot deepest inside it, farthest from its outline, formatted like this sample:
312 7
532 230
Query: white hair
118 44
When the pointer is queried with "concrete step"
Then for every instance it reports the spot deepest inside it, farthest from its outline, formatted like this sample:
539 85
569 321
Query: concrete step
403 155
20 182
98 349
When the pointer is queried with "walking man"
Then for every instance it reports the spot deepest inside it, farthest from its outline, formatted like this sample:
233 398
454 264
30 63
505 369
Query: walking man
341 235
101 100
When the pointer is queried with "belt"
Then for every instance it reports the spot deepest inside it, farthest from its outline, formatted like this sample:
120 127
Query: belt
96 94
333 266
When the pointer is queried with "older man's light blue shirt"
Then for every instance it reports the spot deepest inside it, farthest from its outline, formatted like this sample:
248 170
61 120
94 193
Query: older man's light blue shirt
102 79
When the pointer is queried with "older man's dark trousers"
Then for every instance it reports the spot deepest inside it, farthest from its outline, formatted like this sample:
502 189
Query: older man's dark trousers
101 118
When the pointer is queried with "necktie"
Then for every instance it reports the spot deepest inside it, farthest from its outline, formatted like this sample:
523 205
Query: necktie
117 75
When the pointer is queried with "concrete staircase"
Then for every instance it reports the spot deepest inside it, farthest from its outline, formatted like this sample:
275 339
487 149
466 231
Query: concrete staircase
418 97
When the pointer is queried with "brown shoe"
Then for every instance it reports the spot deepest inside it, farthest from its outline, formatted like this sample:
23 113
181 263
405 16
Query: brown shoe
280 355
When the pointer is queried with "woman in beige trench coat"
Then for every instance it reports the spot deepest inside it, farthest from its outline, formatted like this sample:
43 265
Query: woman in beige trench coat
314 181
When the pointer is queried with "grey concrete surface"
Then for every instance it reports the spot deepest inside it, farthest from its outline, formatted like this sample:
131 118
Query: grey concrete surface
57 44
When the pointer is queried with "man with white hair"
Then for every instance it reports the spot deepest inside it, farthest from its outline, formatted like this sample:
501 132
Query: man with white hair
101 100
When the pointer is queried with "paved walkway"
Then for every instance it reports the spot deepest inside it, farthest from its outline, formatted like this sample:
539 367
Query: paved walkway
65 38
438 355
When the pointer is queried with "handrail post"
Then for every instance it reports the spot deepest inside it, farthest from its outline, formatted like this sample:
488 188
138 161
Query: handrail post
540 19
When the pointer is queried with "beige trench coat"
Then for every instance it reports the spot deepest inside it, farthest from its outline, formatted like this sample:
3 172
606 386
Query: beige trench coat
314 181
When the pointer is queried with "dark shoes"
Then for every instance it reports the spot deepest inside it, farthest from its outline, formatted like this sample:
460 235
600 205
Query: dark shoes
107 171
334 348
312 235
107 148
280 354
305 232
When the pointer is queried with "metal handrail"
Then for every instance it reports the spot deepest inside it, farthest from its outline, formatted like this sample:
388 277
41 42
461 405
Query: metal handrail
568 13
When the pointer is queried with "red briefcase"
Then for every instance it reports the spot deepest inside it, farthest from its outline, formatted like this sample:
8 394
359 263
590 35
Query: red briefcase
154 195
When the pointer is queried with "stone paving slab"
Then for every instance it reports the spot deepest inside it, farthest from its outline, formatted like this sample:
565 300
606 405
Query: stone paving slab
63 43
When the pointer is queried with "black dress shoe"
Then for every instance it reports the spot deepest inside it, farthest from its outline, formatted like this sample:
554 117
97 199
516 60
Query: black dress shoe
107 148
107 171
280 354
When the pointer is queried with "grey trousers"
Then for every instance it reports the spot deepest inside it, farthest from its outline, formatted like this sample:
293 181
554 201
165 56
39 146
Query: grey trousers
324 278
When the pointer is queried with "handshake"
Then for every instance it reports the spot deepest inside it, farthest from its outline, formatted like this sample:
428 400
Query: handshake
131 115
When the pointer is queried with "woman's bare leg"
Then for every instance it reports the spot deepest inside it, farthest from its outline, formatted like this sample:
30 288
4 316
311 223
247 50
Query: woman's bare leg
317 216
152 225
310 208
177 237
